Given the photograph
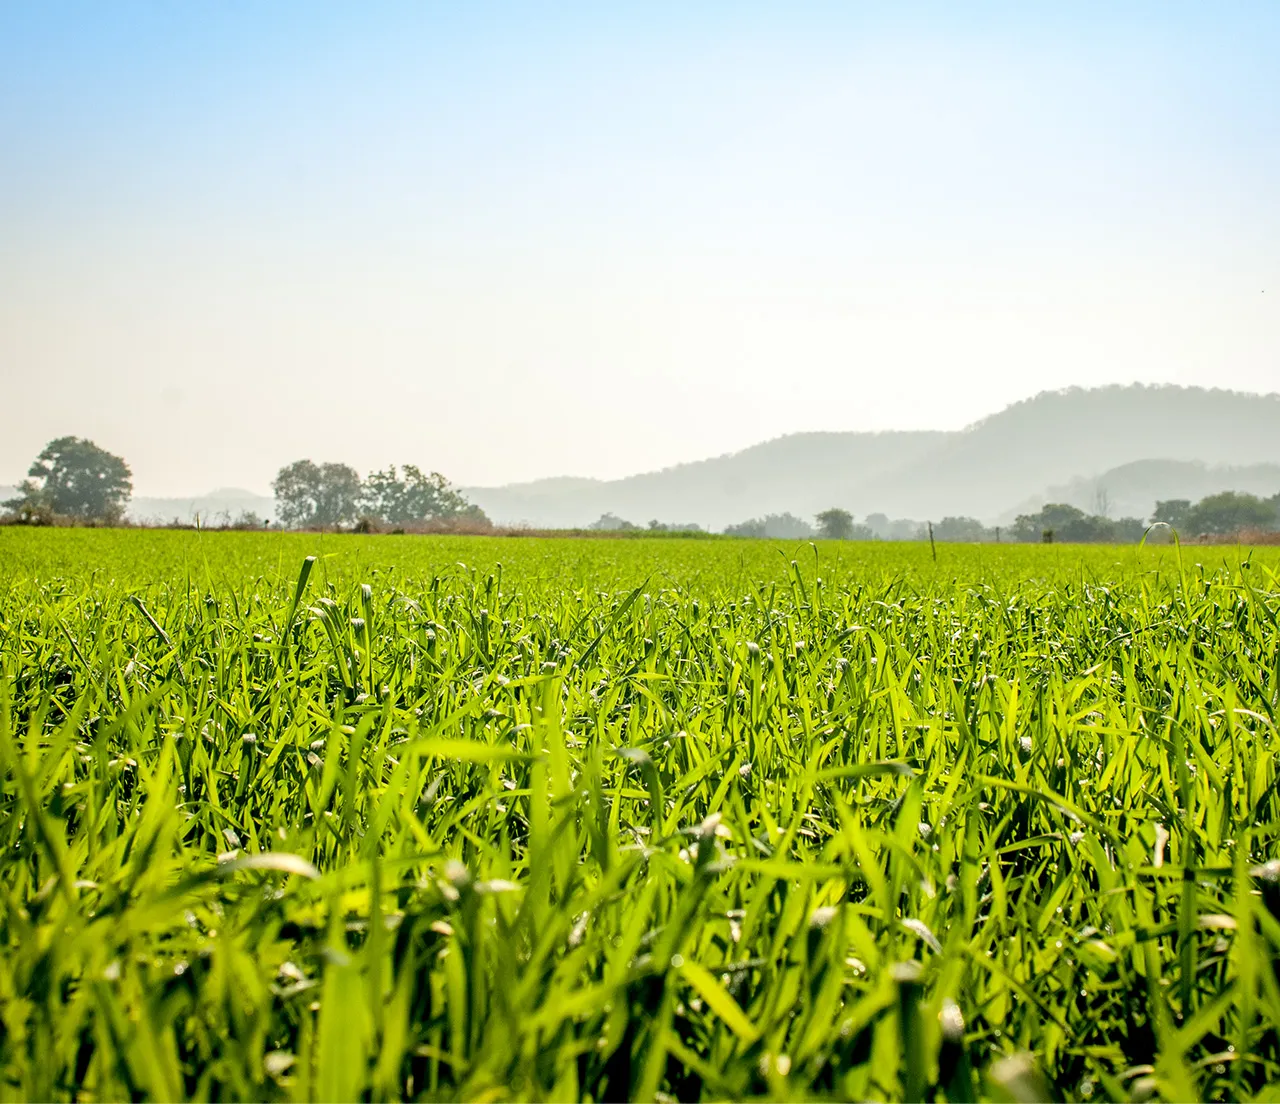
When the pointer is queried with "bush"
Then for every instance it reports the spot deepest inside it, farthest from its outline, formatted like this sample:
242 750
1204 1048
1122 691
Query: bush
30 512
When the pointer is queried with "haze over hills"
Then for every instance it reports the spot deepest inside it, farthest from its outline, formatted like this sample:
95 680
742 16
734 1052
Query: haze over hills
988 469
992 470
800 473
1114 449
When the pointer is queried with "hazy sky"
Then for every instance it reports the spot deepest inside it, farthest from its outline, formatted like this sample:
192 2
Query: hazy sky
510 241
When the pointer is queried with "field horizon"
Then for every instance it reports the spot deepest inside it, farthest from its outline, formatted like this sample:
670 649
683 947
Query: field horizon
1129 446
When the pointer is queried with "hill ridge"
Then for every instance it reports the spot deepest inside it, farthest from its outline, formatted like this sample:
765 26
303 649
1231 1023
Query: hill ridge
988 469
1121 446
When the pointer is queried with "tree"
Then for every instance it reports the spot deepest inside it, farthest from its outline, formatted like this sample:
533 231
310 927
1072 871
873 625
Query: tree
1053 518
961 530
752 528
835 524
74 477
878 524
610 523
1127 530
1228 513
656 526
310 495
1172 511
775 526
1059 521
416 496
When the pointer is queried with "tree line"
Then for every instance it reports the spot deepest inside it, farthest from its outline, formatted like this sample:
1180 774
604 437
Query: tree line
1220 514
1226 514
323 496
73 478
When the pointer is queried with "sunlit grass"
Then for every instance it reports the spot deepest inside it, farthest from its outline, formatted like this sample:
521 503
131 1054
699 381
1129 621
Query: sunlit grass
461 817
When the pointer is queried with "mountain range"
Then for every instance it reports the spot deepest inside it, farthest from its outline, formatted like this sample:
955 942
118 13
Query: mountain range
1114 450
1118 448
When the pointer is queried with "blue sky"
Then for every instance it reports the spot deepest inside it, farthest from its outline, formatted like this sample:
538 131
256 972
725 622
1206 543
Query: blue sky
511 241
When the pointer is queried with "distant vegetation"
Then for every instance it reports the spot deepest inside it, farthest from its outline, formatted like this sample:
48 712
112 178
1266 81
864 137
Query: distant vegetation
1225 514
323 496
772 526
1059 522
73 481
1221 514
611 523
73 478
1130 489
608 523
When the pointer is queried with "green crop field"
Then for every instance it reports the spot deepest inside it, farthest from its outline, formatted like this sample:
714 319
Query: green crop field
485 818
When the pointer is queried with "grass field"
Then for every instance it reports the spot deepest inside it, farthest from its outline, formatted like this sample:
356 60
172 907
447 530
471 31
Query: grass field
484 818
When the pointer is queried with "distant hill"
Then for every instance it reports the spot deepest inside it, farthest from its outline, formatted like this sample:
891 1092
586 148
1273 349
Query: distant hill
801 473
1058 437
1120 448
989 470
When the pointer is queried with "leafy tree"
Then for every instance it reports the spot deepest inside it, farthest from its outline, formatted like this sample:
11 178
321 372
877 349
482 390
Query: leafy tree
1230 512
1128 529
1059 521
396 499
74 477
961 529
878 524
1057 518
883 527
612 523
310 495
786 526
472 513
776 526
837 524
1172 511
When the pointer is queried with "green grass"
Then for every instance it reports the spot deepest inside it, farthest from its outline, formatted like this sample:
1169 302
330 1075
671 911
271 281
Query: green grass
485 818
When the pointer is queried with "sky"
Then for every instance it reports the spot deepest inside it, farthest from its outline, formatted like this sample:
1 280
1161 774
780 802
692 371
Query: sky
510 241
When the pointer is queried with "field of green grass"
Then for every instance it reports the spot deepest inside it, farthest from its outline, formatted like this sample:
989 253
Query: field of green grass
333 817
